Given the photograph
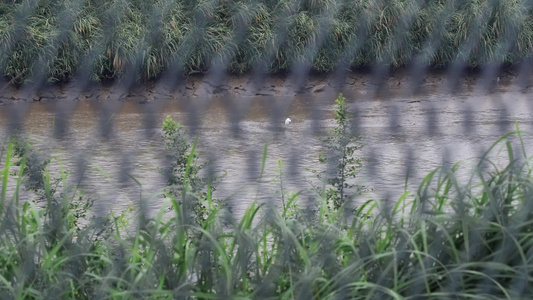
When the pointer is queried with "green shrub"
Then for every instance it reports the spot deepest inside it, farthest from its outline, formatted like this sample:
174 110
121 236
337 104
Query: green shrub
183 174
341 145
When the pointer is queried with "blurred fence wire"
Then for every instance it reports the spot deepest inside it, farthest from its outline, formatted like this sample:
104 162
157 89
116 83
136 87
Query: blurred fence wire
102 199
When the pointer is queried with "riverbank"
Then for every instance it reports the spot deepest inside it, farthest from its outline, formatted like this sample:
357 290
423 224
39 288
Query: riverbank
355 84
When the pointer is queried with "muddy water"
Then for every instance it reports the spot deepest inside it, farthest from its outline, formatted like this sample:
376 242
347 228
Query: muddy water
106 144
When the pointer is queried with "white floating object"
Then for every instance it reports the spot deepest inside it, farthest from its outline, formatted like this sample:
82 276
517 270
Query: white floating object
288 121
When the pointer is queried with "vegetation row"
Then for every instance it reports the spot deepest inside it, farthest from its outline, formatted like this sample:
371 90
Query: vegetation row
55 40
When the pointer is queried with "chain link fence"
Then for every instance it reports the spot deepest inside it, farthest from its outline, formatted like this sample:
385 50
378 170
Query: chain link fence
162 183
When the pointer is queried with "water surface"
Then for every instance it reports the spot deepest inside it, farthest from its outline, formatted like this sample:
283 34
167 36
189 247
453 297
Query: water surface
109 142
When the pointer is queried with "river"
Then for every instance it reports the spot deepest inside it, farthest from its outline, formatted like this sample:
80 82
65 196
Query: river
107 141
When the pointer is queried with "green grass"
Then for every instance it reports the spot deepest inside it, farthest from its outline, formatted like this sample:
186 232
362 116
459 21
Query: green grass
55 40
451 238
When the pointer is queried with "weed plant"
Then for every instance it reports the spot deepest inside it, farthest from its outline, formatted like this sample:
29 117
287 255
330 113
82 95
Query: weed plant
57 40
341 145
452 238
183 172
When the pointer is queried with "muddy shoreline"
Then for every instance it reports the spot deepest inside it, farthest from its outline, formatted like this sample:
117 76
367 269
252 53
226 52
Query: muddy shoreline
354 85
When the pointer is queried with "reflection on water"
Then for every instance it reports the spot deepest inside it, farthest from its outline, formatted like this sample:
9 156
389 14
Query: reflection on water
401 135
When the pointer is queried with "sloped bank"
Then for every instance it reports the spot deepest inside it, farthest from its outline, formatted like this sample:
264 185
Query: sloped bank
354 85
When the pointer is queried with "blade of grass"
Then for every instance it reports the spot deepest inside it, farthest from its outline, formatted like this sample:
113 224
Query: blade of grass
263 160
5 177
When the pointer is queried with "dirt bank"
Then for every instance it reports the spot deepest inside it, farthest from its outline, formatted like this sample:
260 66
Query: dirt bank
354 84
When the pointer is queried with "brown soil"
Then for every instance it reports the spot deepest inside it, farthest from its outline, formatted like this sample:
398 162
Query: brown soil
353 84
